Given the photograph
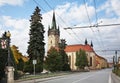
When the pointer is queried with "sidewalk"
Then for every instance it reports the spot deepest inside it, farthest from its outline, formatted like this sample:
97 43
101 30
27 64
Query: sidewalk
115 78
39 80
42 77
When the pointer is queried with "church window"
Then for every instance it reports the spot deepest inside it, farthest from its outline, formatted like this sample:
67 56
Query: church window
51 42
90 61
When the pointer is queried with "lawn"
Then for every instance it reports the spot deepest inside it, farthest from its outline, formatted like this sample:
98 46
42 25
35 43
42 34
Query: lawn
117 72
40 76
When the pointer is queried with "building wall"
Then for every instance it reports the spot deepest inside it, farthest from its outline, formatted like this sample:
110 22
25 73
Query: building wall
102 63
91 55
72 60
53 41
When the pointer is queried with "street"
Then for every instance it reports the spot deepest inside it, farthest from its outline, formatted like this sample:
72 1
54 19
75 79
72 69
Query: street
102 76
99 76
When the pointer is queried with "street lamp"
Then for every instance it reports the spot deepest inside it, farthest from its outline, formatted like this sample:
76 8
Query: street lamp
10 68
8 34
116 57
114 62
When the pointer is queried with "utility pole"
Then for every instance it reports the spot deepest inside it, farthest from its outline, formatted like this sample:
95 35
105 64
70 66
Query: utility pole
116 57
114 62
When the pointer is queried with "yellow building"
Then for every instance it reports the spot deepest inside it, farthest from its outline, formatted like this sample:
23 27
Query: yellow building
71 52
101 62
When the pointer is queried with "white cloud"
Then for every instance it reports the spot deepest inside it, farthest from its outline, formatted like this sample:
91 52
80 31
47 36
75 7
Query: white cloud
12 2
73 13
15 23
110 7
19 29
115 5
68 15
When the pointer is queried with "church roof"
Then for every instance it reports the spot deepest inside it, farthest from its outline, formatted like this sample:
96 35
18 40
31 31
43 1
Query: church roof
77 47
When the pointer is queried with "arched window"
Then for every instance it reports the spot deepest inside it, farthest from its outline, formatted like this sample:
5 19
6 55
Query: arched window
51 42
90 61
69 58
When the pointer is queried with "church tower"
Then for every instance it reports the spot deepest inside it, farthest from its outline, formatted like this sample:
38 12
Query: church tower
53 34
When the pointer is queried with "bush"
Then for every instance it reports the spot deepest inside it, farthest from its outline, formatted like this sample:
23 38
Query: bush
117 72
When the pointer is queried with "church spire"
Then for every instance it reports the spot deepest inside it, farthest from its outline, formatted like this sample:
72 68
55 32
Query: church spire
91 44
53 21
86 41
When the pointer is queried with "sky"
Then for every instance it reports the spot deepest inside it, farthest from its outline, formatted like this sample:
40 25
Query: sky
15 16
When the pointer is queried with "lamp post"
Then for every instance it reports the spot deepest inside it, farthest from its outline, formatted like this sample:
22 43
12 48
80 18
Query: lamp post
116 57
8 46
114 62
9 68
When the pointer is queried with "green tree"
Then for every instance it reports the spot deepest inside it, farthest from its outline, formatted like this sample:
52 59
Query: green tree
81 59
28 66
65 61
3 60
4 57
36 43
20 65
53 61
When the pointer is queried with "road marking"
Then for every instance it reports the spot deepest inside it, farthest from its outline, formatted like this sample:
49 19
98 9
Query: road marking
109 81
82 79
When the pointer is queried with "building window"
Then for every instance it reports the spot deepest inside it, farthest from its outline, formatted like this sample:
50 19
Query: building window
69 58
90 61
51 42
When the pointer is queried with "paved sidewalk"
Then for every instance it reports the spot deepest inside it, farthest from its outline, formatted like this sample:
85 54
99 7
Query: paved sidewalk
115 78
39 80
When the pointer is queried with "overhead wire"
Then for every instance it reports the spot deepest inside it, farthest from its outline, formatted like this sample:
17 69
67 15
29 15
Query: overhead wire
39 5
88 14
96 12
91 23
100 36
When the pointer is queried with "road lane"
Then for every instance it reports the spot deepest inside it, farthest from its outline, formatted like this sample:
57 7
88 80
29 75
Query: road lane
102 76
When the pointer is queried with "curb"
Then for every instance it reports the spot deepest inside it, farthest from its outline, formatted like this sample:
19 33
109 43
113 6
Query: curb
41 79
115 76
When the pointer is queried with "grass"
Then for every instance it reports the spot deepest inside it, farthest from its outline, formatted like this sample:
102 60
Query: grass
117 72
40 76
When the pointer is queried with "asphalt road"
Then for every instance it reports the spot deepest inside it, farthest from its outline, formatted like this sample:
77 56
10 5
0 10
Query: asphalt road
102 76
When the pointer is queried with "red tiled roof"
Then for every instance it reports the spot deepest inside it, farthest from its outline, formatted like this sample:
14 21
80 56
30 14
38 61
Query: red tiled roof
74 48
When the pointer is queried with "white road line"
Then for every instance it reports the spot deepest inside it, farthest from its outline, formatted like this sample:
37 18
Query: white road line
109 81
82 79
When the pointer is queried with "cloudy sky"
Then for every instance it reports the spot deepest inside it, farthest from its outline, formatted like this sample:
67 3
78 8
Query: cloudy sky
15 16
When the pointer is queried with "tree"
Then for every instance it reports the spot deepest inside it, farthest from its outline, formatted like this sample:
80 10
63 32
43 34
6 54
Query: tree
28 66
36 43
18 57
53 61
3 60
81 59
65 65
4 57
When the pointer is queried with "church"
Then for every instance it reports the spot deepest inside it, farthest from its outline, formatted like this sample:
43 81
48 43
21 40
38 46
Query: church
53 41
